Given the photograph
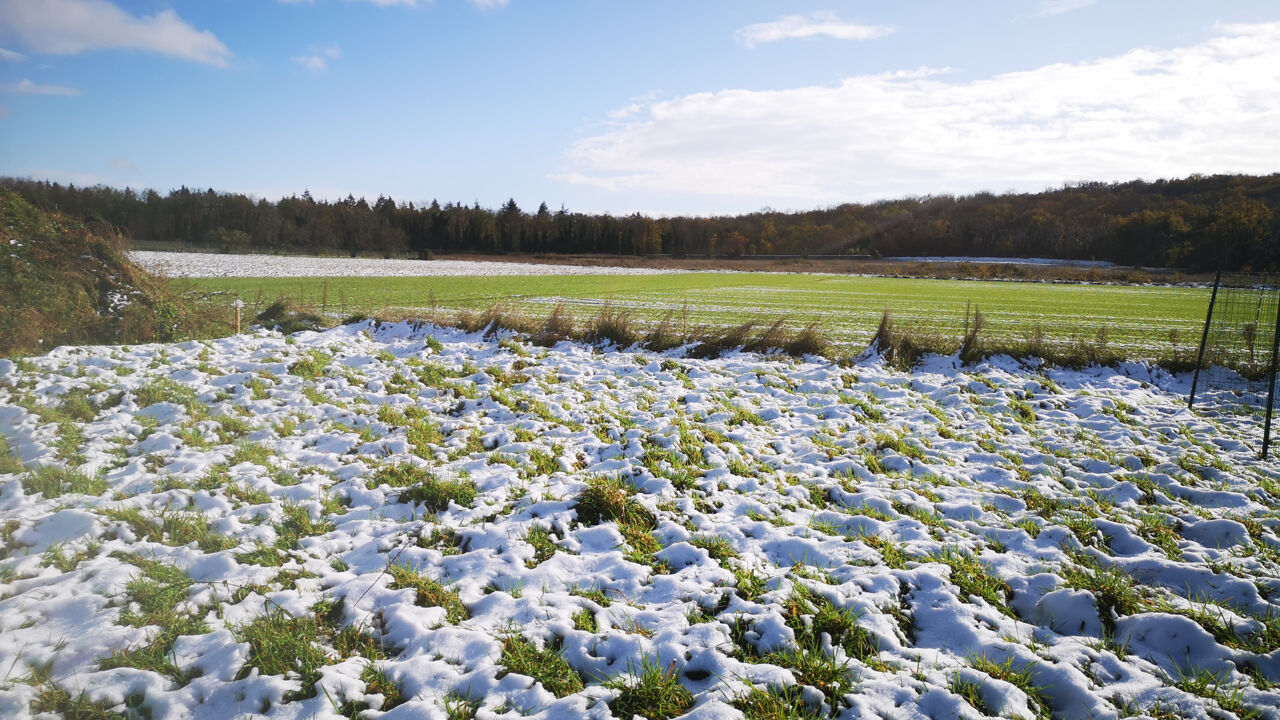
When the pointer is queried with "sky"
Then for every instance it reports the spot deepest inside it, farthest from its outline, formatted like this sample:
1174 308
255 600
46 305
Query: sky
663 107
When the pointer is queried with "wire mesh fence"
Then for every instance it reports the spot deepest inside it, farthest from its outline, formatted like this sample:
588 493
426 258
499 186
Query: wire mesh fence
1237 368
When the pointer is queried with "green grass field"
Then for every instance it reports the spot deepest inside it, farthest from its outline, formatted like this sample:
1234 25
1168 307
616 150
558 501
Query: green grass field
1142 321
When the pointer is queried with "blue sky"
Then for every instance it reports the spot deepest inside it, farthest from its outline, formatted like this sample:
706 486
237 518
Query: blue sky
661 106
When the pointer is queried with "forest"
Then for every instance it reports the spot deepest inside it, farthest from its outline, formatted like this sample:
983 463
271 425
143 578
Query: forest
1198 223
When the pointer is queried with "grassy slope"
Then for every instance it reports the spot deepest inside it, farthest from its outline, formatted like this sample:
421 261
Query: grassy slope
63 281
1137 318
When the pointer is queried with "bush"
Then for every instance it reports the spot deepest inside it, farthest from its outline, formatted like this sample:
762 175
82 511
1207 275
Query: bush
69 282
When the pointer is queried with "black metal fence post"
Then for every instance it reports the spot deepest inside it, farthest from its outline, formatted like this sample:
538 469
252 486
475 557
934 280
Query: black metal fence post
1271 385
1204 339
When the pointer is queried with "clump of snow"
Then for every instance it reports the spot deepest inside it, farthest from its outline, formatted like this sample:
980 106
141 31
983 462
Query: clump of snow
1006 539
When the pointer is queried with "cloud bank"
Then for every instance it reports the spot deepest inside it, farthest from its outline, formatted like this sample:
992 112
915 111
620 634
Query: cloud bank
1058 7
318 59
26 87
68 27
1207 108
796 27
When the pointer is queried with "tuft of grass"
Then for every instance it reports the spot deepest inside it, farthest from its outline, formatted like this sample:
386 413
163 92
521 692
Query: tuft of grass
1218 688
250 452
429 593
173 527
377 682
650 691
540 462
52 699
747 583
811 616
53 482
297 524
893 554
816 669
546 666
607 498
157 592
166 390
785 703
974 578
719 548
436 494
611 325
972 693
280 643
896 443
9 463
311 366
1113 591
585 619
1021 678
423 486
544 545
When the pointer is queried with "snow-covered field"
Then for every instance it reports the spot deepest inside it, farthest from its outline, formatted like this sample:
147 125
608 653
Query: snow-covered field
437 525
1002 260
211 265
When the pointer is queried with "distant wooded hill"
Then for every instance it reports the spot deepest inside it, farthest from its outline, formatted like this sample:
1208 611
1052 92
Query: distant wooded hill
1199 222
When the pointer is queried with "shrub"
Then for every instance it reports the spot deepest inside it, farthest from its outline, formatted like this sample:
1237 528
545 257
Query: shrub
612 326
70 282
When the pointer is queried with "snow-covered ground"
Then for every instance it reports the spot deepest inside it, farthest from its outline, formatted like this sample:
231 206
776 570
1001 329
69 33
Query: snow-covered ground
1003 260
210 265
400 518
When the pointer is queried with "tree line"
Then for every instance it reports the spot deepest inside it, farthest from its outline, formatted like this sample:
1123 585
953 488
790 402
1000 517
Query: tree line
1199 222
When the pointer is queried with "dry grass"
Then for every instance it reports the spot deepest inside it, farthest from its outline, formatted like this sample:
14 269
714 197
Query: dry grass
69 282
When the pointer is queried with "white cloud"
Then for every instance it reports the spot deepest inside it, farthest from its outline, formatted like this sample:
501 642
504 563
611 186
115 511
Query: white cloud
484 4
794 27
67 27
26 87
11 56
389 3
74 177
1057 7
1207 108
318 59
